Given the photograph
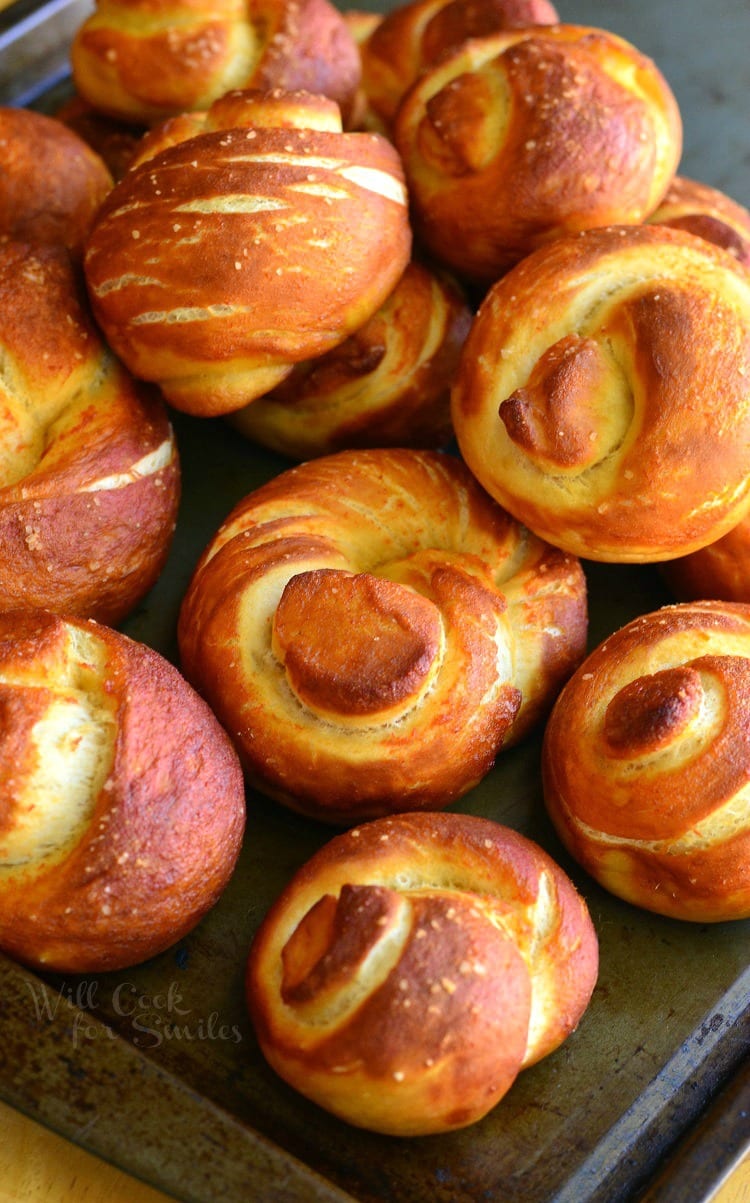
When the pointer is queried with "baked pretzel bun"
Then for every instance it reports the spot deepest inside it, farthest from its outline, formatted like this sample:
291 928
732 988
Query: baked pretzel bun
603 392
115 841
371 629
51 181
519 137
646 762
414 966
387 385
360 25
219 262
114 141
720 571
89 473
415 36
144 60
705 211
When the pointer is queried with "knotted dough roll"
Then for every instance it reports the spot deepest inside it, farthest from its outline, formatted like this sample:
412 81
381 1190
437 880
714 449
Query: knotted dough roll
222 260
518 137
89 472
416 35
647 766
603 395
414 966
705 211
387 385
371 629
51 181
114 841
114 141
720 571
144 60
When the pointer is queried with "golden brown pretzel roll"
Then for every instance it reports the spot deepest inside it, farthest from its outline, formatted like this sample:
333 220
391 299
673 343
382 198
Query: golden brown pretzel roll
519 137
388 385
122 807
114 141
414 36
51 181
414 966
646 762
720 571
360 25
371 628
705 211
220 262
603 393
242 110
143 60
89 473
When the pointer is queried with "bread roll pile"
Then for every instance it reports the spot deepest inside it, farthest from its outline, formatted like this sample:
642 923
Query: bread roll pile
387 385
140 60
356 238
218 263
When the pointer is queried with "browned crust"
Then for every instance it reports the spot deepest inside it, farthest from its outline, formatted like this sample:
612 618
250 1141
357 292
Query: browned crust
646 762
387 385
708 213
222 261
144 60
162 835
384 541
414 36
603 395
522 136
90 473
52 182
438 938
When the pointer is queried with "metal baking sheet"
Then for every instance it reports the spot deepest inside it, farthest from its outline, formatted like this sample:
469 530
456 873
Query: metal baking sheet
156 1068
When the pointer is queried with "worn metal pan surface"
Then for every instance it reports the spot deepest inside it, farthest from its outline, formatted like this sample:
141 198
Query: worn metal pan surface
157 1068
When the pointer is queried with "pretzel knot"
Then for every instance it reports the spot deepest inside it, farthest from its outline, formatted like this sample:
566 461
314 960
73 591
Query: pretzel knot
415 965
113 843
647 764
371 629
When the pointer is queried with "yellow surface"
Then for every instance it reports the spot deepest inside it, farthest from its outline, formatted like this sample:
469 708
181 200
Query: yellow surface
36 1166
737 1189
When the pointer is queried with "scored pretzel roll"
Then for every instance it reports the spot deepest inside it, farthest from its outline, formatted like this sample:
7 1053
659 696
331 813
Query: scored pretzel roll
414 966
720 571
414 36
371 629
114 840
144 60
603 393
219 262
647 767
705 211
518 137
89 471
387 385
51 181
